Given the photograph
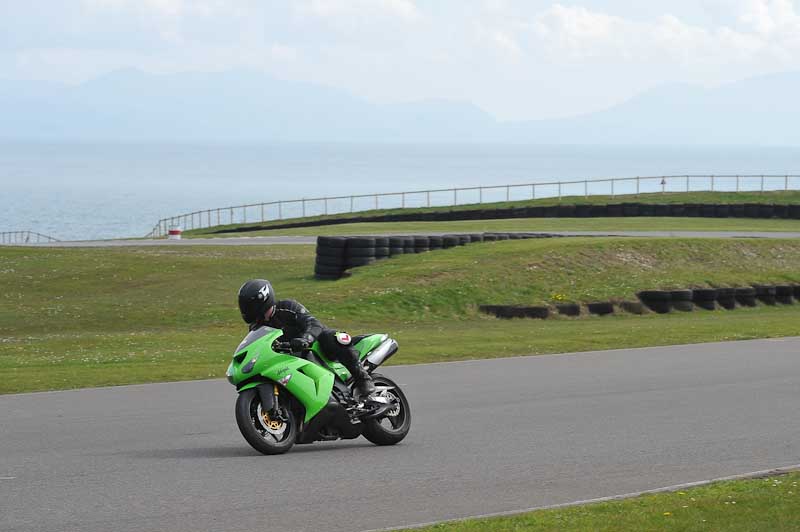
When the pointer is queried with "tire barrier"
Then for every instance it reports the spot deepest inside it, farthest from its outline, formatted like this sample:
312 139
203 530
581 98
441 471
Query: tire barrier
568 309
408 244
515 311
396 246
726 297
421 244
330 261
382 250
449 241
707 210
661 302
337 254
746 296
656 300
681 300
783 294
765 293
705 298
600 308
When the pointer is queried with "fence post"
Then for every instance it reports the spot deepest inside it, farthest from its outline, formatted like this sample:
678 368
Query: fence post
326 206
262 212
244 214
559 191
786 183
737 183
585 188
637 185
612 188
480 195
280 210
533 191
304 207
428 198
762 183
376 202
712 182
508 193
403 200
455 197
687 183
351 203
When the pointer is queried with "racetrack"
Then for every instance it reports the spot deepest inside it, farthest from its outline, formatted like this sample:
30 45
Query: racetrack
487 436
265 240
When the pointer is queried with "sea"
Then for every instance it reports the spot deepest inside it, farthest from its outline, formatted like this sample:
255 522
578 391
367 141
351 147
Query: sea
80 191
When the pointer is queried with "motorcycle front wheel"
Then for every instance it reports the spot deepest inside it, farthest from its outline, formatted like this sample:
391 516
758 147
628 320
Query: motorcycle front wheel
265 435
394 426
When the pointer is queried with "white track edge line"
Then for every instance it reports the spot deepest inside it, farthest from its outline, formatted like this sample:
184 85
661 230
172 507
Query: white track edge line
676 487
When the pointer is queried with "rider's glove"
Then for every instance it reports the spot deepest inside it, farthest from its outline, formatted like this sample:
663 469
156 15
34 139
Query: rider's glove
299 345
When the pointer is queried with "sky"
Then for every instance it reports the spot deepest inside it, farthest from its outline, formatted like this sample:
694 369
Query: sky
518 60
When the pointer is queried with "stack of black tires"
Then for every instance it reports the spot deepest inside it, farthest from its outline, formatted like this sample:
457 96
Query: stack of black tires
330 263
723 210
663 301
337 254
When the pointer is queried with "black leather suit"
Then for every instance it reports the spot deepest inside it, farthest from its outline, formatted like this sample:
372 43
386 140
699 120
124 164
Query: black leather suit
296 322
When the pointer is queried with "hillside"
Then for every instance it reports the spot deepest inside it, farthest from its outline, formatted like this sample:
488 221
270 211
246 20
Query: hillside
242 105
127 315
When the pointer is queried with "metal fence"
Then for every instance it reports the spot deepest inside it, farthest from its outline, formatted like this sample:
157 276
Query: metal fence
15 238
449 197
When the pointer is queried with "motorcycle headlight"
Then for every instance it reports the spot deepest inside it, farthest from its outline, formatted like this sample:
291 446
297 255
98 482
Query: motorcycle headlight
250 365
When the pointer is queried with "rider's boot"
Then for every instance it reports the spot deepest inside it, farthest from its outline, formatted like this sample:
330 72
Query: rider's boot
362 380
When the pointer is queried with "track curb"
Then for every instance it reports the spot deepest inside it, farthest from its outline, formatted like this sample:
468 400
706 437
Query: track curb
675 487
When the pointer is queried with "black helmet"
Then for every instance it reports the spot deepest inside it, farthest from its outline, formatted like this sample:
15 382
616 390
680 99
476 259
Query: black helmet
256 297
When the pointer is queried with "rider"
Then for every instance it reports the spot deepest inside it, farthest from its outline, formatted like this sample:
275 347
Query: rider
258 306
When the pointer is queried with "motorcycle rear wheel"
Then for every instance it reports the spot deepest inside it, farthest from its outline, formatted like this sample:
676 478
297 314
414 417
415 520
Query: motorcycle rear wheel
263 434
392 428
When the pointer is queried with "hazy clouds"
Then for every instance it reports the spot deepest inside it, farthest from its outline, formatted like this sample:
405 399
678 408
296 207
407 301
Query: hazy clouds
517 60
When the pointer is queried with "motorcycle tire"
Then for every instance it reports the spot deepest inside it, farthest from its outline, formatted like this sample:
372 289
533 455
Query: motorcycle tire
379 433
255 432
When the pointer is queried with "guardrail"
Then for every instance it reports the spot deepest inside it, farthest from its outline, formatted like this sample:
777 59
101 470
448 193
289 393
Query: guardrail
15 238
450 197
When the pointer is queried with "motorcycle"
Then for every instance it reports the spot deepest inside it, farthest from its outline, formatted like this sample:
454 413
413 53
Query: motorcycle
286 398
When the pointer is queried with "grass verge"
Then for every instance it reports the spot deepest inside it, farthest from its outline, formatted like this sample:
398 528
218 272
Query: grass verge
762 504
532 225
86 317
780 197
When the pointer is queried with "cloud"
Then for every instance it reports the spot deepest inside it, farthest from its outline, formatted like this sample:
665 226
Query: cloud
359 9
767 30
517 59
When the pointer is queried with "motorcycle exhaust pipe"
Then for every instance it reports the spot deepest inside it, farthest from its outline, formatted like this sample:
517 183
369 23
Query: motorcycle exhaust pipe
381 354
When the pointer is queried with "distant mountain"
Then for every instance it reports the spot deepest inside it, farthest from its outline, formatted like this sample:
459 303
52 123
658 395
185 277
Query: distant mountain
130 105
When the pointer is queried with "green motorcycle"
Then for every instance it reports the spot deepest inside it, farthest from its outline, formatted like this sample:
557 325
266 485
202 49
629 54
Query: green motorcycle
286 398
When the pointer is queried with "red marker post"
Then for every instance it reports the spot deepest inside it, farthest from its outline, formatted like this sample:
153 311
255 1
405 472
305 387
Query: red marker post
174 233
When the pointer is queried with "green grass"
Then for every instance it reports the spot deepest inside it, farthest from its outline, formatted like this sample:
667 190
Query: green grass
788 197
86 317
534 225
765 504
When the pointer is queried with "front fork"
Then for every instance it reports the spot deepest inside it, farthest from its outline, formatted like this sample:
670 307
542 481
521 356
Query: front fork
270 400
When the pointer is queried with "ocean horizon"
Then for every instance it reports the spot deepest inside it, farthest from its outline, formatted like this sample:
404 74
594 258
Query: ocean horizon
79 191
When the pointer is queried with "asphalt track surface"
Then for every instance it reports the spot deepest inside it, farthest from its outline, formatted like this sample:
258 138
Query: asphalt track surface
266 240
487 436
